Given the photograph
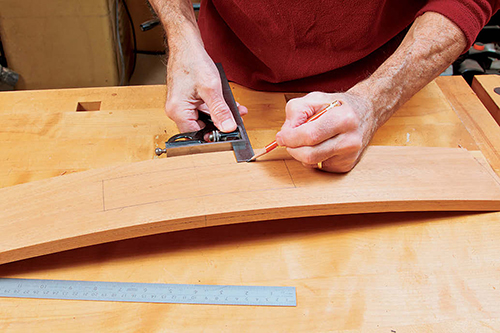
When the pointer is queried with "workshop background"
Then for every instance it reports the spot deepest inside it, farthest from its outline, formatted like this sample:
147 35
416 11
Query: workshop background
91 43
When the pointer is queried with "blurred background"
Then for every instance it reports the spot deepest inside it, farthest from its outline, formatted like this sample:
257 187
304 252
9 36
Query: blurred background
80 43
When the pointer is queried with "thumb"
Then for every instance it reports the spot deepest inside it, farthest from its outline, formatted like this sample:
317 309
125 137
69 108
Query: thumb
219 111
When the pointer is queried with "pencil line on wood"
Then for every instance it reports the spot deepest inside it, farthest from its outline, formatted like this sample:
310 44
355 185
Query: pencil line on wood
204 196
290 174
103 200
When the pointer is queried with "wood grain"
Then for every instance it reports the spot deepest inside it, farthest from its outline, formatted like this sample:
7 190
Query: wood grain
403 272
484 87
42 135
187 192
408 272
476 118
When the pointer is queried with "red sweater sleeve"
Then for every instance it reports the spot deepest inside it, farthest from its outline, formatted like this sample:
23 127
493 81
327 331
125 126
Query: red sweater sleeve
469 15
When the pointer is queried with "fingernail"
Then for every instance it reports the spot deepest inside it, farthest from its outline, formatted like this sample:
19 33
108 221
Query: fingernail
228 125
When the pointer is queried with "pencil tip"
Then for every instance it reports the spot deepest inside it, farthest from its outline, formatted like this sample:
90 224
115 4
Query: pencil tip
258 154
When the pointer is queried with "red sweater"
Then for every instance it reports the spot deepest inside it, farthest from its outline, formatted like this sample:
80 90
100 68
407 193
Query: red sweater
306 45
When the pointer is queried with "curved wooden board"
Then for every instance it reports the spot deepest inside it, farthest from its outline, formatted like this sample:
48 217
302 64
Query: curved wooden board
196 191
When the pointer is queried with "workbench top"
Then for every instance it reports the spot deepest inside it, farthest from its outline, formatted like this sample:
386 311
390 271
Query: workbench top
433 272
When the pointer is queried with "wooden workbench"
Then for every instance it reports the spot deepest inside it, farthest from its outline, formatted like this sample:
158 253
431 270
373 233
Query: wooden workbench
487 88
402 272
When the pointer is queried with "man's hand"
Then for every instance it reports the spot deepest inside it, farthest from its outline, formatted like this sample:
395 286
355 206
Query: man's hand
193 82
336 139
339 136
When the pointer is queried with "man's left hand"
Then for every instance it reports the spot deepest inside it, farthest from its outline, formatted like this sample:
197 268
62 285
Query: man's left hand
336 139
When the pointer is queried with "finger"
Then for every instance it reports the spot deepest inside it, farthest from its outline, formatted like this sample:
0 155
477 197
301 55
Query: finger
185 117
219 111
342 145
298 110
341 164
310 166
336 121
204 108
242 109
310 134
201 124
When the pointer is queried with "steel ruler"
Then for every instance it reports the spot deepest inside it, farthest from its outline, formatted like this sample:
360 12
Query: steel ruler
147 292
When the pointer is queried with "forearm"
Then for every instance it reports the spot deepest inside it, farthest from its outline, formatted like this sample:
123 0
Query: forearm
430 46
193 82
179 22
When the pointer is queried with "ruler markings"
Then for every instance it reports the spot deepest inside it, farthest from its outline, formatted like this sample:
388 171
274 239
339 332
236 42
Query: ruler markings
148 292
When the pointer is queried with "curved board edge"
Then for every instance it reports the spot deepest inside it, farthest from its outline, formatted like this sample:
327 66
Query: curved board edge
197 191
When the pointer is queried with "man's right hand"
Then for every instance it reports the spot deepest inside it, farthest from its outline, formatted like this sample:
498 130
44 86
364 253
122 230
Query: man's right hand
194 85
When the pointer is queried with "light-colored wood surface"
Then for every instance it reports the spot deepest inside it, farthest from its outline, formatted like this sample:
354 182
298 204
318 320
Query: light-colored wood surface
42 135
405 272
419 272
205 190
474 116
484 87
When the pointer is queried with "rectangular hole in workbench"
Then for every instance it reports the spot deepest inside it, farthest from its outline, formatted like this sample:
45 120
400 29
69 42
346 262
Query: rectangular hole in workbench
88 106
